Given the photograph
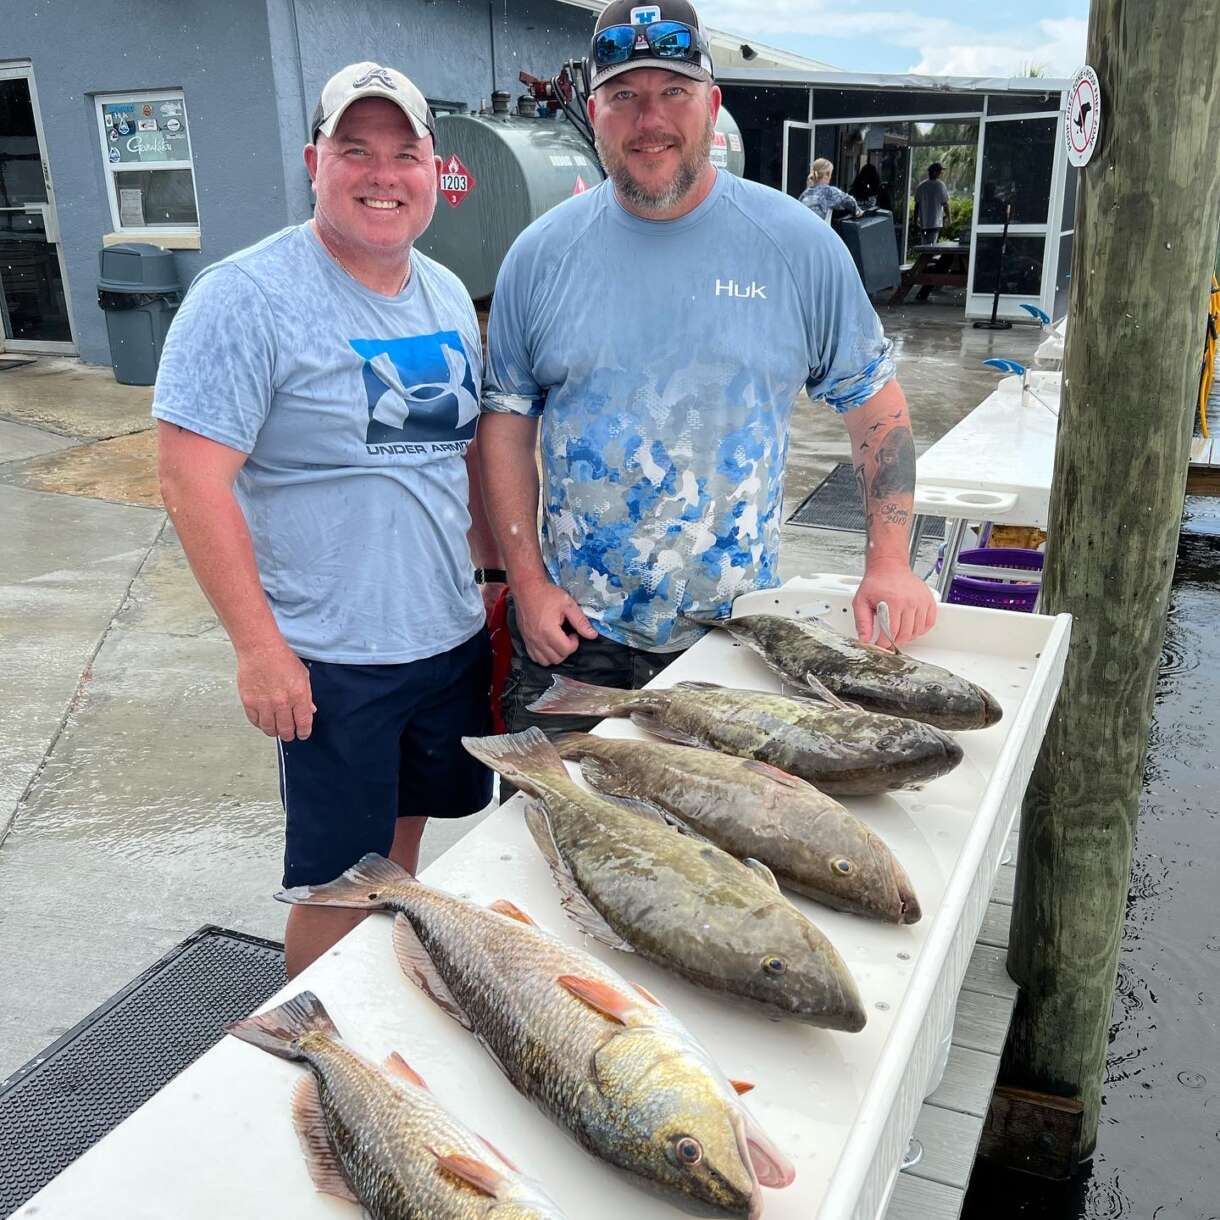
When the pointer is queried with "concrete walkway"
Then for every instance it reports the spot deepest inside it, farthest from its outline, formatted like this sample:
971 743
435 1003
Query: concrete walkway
136 803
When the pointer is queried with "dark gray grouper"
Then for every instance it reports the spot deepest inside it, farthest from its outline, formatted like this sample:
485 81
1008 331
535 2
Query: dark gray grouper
634 883
811 655
840 750
751 809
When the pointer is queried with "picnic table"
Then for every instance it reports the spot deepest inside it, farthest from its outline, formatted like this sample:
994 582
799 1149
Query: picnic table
943 265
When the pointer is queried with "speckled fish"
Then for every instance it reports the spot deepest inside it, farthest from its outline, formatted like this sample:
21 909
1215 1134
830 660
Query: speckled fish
752 810
811 655
601 1057
634 883
843 751
379 1137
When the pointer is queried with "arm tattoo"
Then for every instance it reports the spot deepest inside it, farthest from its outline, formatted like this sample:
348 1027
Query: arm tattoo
895 466
887 498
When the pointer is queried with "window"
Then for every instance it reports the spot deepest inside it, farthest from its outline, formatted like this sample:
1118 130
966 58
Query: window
146 149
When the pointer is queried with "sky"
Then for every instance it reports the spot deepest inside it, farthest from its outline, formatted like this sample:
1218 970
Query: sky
937 37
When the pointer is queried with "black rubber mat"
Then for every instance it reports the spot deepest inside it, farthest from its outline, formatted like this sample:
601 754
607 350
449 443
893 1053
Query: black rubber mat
834 504
64 1100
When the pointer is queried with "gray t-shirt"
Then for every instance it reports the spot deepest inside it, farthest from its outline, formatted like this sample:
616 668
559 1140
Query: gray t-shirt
356 410
664 358
931 200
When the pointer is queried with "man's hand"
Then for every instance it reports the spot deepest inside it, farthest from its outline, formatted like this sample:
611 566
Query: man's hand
274 689
544 610
911 604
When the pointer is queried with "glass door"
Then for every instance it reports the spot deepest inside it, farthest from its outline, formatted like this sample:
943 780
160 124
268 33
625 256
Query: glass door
33 304
1017 179
798 156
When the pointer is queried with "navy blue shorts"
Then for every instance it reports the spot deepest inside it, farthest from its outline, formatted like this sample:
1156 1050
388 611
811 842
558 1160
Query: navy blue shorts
385 744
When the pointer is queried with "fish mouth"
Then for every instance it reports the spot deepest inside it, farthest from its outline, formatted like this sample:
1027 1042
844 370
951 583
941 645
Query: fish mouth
993 713
909 910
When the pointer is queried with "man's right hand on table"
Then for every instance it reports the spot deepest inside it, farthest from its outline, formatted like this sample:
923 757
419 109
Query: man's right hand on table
544 612
274 689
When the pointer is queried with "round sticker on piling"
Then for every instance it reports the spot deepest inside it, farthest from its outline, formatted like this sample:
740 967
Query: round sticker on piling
1082 123
456 181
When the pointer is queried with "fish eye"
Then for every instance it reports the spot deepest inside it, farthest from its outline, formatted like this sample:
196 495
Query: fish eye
774 965
374 896
688 1150
842 867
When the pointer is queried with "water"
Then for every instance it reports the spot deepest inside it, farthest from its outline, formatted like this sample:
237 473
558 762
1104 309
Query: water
1158 1144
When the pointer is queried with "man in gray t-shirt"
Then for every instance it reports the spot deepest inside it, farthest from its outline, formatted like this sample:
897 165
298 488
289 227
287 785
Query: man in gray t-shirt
931 205
316 399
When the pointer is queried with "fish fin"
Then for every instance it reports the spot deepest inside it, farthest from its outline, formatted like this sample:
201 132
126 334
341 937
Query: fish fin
684 828
485 1178
883 627
502 906
741 1087
651 723
320 1159
608 1000
760 870
420 968
770 1165
492 1148
572 698
528 759
652 999
634 805
822 692
366 884
279 1030
690 684
396 1065
703 620
774 773
579 909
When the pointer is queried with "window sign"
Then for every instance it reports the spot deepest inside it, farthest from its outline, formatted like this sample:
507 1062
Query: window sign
146 150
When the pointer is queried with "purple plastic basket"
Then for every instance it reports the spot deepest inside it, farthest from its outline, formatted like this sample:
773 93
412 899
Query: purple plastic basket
1011 589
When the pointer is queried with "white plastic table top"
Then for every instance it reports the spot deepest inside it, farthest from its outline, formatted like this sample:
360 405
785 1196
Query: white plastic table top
218 1141
996 464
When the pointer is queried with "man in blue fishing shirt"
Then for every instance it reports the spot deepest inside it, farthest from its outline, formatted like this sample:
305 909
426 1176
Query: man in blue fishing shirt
661 326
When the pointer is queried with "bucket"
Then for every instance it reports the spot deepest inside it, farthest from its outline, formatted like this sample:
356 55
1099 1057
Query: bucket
1011 588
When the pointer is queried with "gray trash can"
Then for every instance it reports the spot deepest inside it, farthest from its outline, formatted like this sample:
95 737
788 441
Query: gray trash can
874 249
140 293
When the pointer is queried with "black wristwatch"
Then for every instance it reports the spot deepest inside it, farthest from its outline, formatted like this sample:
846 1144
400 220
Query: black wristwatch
490 576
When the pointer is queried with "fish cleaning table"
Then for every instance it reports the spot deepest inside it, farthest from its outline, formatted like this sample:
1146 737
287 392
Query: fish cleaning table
218 1140
994 465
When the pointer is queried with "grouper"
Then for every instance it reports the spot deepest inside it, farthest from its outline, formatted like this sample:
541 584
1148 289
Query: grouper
841 750
632 882
811 843
601 1056
812 656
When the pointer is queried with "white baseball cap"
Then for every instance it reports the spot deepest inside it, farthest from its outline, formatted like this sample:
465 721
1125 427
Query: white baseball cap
368 79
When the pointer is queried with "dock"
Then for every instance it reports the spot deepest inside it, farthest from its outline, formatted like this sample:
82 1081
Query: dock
951 1121
1203 473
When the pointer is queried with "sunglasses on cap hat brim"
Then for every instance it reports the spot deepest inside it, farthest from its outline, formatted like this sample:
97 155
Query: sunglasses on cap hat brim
672 41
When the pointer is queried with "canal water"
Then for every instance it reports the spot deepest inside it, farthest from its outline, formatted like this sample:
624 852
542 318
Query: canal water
1158 1146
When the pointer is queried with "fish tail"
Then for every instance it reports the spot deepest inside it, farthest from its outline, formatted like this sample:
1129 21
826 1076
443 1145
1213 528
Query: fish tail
280 1030
572 698
528 758
369 884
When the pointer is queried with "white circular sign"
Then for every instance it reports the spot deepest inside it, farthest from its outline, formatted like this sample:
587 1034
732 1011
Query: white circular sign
1082 123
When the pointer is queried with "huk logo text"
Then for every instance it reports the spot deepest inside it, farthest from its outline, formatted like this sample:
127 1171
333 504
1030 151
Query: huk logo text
731 288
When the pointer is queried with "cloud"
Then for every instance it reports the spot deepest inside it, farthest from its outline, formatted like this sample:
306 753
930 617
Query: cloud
943 47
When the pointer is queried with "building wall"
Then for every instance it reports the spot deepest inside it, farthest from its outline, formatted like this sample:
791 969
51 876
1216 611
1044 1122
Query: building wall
220 55
251 74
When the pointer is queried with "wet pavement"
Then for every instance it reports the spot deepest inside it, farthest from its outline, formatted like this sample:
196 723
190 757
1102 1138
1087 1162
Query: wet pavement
136 803
1158 1143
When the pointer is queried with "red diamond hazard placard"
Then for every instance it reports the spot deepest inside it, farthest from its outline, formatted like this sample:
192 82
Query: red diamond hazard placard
580 187
456 180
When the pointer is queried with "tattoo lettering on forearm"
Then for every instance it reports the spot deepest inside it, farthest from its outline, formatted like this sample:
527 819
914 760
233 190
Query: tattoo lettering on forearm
894 514
895 466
